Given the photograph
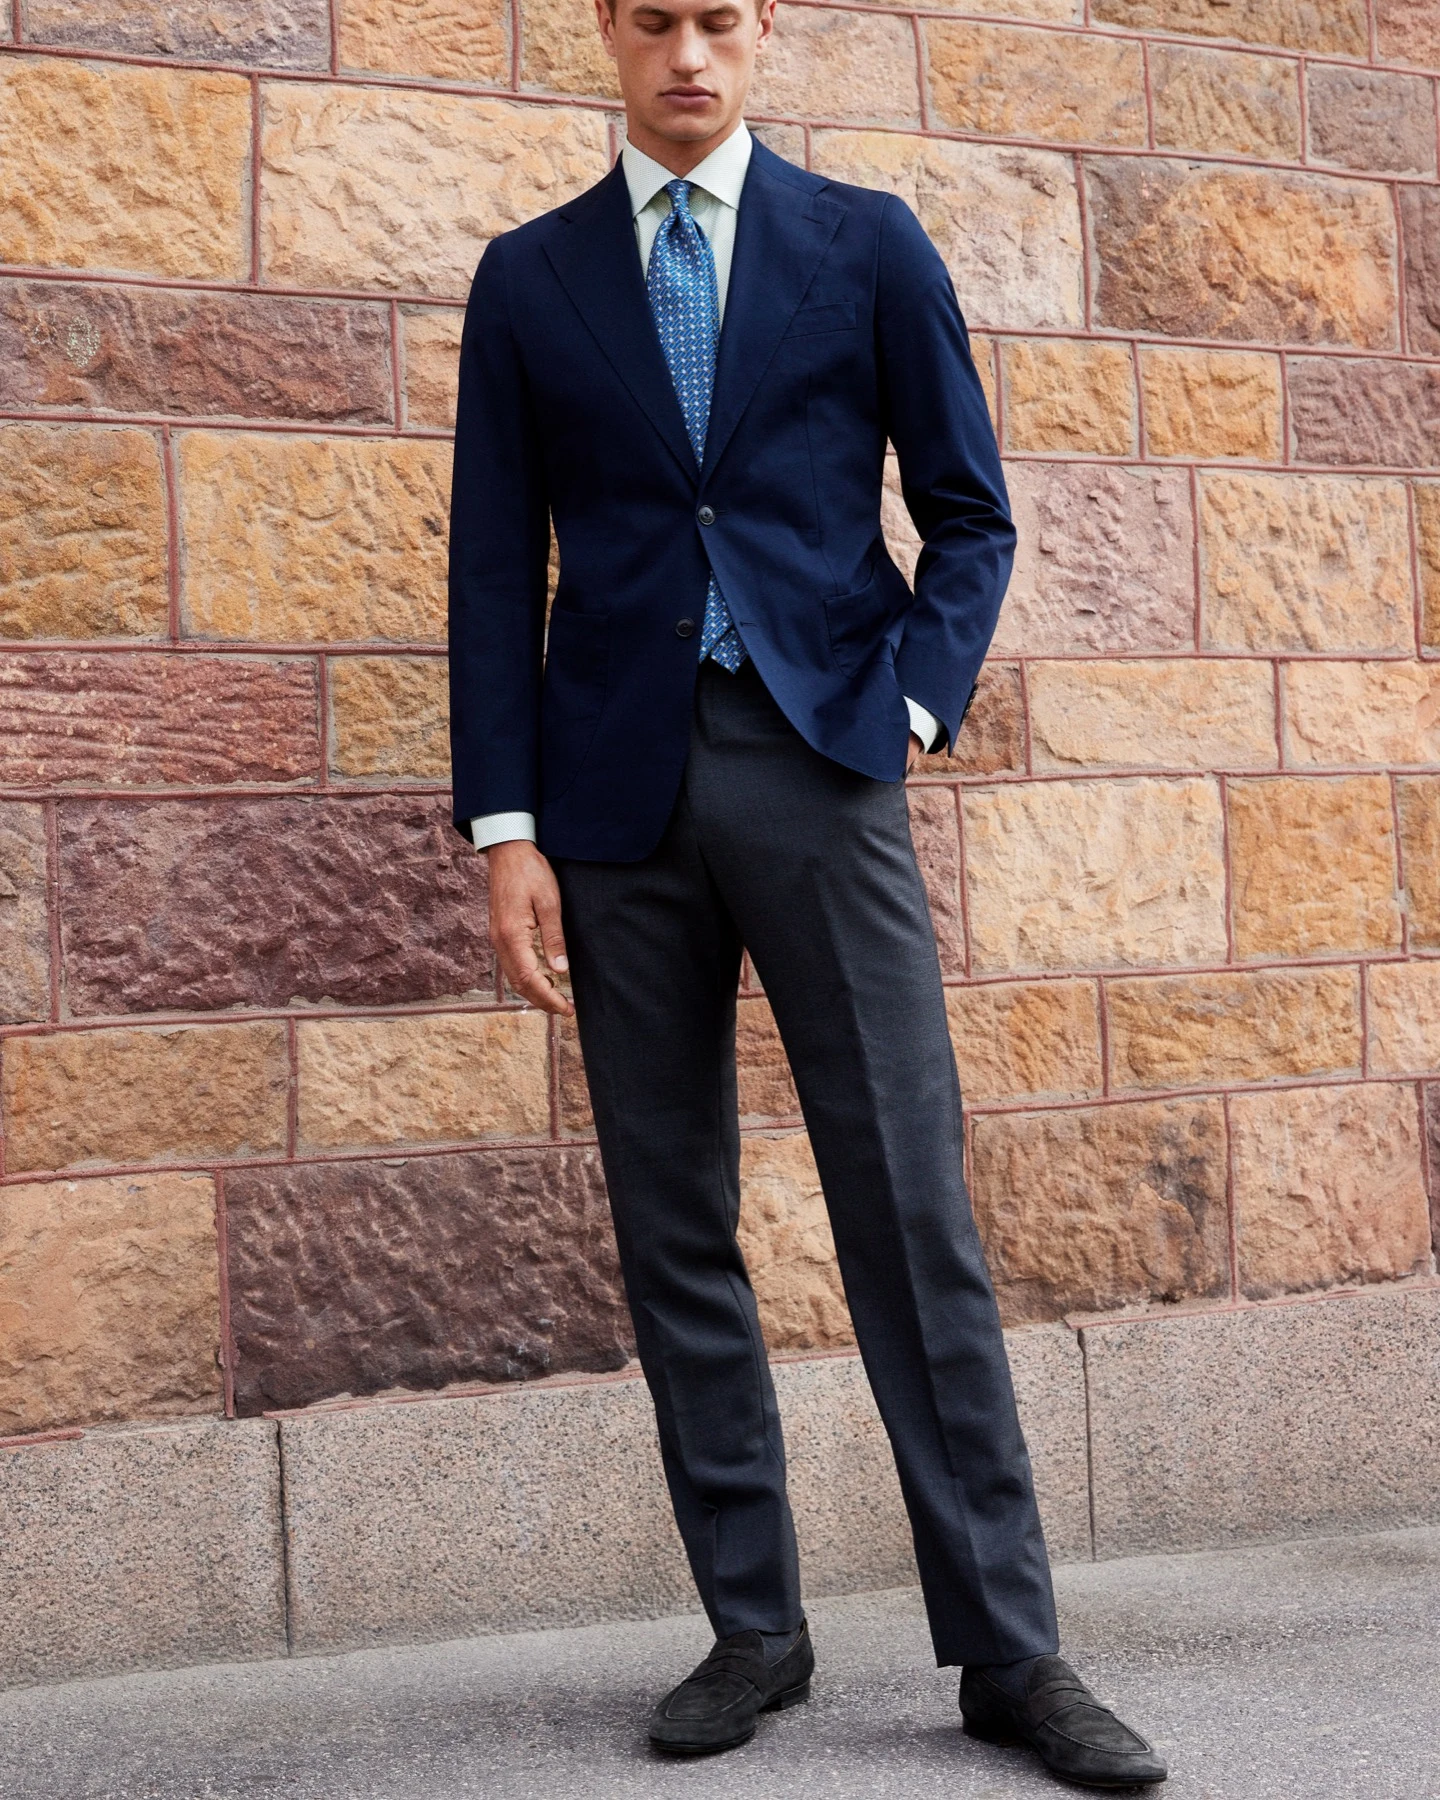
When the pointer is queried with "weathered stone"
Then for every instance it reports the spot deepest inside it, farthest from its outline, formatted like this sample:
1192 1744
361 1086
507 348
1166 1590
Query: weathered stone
1069 395
432 364
935 827
1404 1017
767 1090
856 66
992 739
103 720
110 1300
375 187
1088 874
96 348
1420 234
1304 562
1427 545
1341 714
785 140
1106 560
1026 1040
1313 866
1171 1031
1209 403
1417 800
1217 100
1366 119
1056 12
279 34
576 1118
1430 1092
1102 1207
349 1278
82 533
1014 82
1408 31
299 539
1328 1187
786 1242
1363 411
1007 221
182 139
1202 250
370 900
1340 26
24 915
389 718
451 40
561 51
1190 713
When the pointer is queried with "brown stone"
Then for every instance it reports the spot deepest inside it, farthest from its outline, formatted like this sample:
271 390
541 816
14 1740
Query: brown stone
576 1118
1013 82
767 1090
821 63
303 540
786 1242
451 40
1366 119
1345 410
96 348
1427 544
1417 804
144 1096
1339 26
109 1301
785 140
1220 100
351 1278
1404 1017
1026 1040
1190 713
1304 562
935 827
82 532
1431 1093
1211 403
1420 234
367 900
1408 31
992 738
1102 1207
278 34
1069 395
1313 866
182 138
561 50
24 915
432 364
1171 1031
1341 714
1094 874
389 718
1202 250
1328 1188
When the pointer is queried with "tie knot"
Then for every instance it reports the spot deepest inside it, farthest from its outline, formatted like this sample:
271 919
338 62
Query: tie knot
679 192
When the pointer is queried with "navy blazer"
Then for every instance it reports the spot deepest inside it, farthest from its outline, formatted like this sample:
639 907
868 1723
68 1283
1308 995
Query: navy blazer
841 330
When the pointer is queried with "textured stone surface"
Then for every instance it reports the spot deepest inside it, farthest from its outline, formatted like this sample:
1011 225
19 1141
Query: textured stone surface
1408 31
1007 221
1420 234
141 1549
24 918
992 739
1431 1099
1073 395
1362 411
576 1118
785 1239
1218 100
282 34
1304 562
1427 544
1313 866
853 66
1106 560
368 901
1102 1207
454 40
1200 250
1208 403
1328 1187
82 532
1404 1018
97 348
1038 84
562 52
1095 874
1338 26
109 1297
1025 1040
389 718
1417 805
348 1278
1364 119
372 187
182 138
144 1096
137 718
431 337
1172 1031
1341 714
766 1088
298 539
935 828
1179 714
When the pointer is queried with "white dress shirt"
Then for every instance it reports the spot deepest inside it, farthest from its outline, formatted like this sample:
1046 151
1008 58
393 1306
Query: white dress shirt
715 203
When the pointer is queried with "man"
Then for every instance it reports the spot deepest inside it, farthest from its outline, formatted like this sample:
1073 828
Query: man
693 370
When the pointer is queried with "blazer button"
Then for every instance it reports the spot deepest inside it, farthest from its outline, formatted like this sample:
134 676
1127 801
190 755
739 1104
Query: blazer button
706 515
684 628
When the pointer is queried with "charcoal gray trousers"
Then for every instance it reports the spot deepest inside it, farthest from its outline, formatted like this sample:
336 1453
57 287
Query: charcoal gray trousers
811 867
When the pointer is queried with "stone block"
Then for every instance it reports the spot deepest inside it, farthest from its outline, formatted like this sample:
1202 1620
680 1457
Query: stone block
786 1242
1209 251
1006 220
1366 119
1417 807
367 900
1069 395
767 1090
91 347
1336 1432
191 1091
1430 1097
1337 26
1304 562
935 829
1220 100
389 718
1095 874
1191 713
1102 1207
181 136
992 739
1013 82
82 532
134 719
1381 713
24 915
376 187
304 540
449 40
1404 1018
109 1291
561 51
1026 1040
277 34
1106 561
575 1116
1420 233
1427 545
1312 864
1211 403
1407 31
859 67
1174 1031
431 338
141 1549
1345 410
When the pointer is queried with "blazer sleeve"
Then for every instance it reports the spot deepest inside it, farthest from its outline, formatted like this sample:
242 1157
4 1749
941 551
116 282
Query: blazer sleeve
937 418
499 548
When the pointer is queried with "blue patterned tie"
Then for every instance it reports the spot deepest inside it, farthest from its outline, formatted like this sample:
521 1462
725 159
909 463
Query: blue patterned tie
680 281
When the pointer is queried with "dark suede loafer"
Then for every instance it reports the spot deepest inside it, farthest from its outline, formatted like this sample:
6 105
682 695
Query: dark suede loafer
1074 1735
719 1705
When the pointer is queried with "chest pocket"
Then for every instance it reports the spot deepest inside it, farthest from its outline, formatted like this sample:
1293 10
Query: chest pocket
839 315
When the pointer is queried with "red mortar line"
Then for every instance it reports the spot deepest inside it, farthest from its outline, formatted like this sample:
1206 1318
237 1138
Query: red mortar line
201 285
1082 207
1232 1223
334 22
37 1439
172 531
516 30
1402 311
324 784
1436 91
1227 871
1302 72
397 373
1286 448
216 647
227 1335
382 430
316 787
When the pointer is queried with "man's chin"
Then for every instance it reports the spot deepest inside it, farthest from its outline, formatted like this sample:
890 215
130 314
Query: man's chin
685 125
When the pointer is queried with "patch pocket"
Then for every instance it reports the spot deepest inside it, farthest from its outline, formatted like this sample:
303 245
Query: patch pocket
837 316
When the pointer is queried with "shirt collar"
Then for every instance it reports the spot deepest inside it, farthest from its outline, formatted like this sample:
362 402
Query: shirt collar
722 173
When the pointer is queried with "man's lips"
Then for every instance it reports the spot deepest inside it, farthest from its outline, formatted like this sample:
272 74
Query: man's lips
691 94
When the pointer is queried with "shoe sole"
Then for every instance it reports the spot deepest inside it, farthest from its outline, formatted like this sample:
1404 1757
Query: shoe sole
776 1703
1008 1740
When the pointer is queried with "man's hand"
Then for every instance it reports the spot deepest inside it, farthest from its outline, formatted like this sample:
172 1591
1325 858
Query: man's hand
916 749
524 900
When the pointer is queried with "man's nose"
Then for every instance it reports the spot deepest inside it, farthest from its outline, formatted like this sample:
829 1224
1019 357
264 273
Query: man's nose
689 55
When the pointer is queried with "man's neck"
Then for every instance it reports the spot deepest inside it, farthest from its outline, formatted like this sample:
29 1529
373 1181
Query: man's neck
679 157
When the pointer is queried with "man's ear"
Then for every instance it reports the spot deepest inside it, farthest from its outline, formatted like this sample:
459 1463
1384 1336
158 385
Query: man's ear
605 19
767 24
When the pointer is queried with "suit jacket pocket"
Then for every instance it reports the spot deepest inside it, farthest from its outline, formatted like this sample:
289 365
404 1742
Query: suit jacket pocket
854 622
572 695
838 315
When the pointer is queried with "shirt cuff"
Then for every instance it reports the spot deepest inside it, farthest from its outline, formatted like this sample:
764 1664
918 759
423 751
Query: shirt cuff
924 724
502 828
